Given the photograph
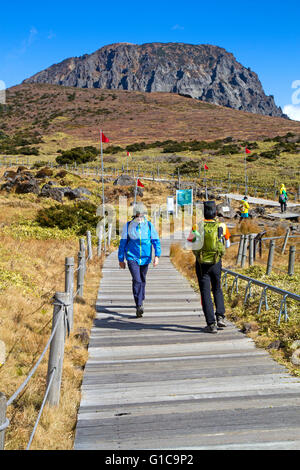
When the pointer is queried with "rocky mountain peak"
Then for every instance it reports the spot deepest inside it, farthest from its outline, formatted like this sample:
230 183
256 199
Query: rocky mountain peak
205 72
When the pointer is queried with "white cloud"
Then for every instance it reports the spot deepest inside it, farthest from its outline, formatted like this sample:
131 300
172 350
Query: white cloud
292 111
32 34
26 43
178 27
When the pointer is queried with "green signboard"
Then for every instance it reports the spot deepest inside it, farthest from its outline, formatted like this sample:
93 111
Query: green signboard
184 197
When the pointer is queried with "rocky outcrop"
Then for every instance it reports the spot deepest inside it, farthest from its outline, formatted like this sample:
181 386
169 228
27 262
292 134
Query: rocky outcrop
23 181
208 73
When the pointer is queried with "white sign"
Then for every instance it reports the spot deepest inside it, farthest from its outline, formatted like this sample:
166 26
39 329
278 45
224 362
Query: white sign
2 92
170 204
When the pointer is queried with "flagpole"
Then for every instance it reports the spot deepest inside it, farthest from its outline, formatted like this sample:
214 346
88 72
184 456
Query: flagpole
103 209
135 191
205 183
245 173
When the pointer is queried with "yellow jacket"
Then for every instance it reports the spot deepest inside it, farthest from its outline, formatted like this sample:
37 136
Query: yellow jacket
245 207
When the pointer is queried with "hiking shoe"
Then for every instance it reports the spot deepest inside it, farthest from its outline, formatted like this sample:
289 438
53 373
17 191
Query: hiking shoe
139 311
211 328
221 322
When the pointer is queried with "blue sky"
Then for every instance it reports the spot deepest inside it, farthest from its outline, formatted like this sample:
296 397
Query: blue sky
262 35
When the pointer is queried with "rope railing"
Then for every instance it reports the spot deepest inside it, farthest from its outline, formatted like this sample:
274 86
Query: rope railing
62 324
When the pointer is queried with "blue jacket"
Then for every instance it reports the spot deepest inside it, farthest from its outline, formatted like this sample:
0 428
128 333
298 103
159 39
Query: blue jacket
137 240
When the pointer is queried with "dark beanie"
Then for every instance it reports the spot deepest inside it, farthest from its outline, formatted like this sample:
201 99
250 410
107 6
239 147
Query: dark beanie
210 210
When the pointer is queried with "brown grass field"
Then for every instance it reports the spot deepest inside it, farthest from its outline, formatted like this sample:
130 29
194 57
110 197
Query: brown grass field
73 116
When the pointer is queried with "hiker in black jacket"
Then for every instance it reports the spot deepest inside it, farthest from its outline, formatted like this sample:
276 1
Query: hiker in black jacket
208 268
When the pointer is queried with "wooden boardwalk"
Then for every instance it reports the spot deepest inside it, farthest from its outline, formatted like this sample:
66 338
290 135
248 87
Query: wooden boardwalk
161 382
258 200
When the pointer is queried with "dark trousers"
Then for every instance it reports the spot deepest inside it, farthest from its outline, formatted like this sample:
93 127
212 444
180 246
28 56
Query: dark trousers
209 278
138 274
283 206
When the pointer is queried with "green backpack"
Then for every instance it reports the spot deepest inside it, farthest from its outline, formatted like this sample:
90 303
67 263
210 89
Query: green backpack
213 248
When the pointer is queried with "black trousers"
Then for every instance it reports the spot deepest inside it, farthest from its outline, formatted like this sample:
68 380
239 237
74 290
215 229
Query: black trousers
283 206
209 278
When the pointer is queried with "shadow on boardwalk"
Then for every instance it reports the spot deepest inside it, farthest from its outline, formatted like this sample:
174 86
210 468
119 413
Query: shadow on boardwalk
122 323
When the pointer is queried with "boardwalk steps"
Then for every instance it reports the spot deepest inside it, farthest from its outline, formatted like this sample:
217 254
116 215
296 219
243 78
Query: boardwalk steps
161 382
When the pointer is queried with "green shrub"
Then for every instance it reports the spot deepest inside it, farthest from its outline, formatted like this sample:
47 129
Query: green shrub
252 158
81 216
136 147
286 147
78 155
38 165
249 145
113 149
189 168
20 143
28 151
271 154
229 149
175 147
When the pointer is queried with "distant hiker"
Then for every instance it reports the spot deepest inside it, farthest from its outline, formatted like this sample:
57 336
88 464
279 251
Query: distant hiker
283 198
208 266
245 208
138 237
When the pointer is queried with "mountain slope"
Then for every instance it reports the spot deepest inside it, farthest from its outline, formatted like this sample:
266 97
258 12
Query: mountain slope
205 72
128 117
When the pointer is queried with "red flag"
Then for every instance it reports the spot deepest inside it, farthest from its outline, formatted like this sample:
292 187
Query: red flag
247 150
128 154
205 166
140 184
104 139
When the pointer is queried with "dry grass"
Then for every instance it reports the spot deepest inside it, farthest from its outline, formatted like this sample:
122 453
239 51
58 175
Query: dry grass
184 261
129 117
31 271
25 328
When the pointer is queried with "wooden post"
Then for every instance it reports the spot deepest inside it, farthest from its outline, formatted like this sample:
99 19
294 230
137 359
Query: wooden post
82 249
251 249
292 255
244 253
80 273
104 238
100 237
69 287
270 256
56 354
89 244
240 250
109 235
285 240
3 418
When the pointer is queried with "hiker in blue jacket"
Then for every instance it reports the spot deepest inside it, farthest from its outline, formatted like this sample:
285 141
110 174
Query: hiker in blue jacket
138 237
